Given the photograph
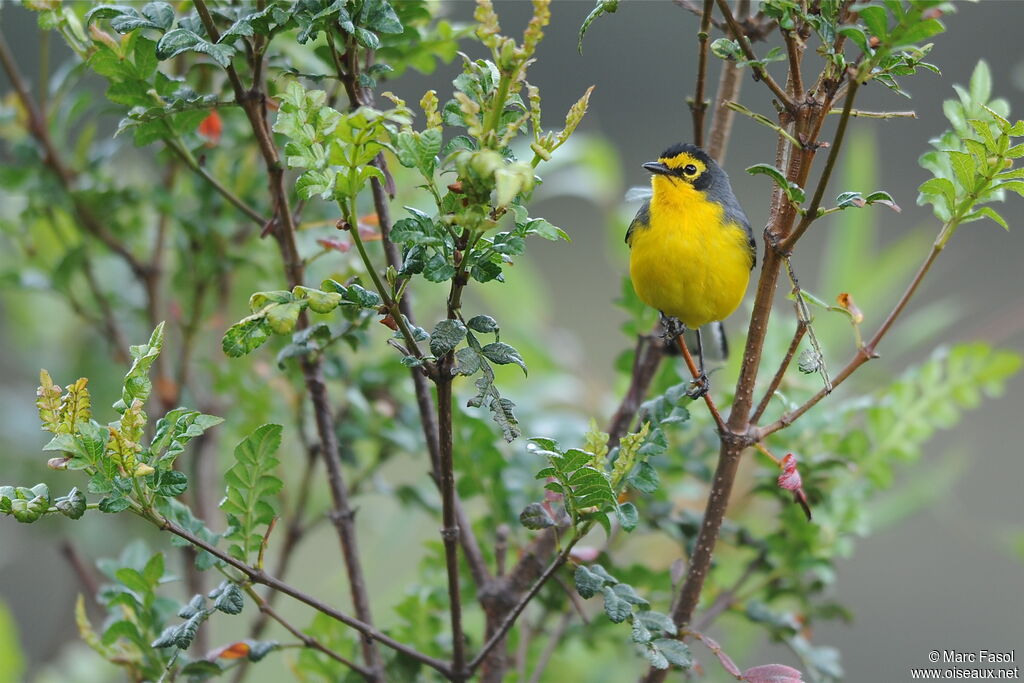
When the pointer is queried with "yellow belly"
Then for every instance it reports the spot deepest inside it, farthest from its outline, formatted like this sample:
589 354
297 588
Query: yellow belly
687 265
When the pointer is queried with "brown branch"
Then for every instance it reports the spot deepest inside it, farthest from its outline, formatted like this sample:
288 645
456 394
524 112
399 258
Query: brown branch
646 361
261 577
450 530
343 516
863 355
833 154
510 618
266 610
232 198
550 647
37 127
698 106
81 569
712 408
760 72
798 335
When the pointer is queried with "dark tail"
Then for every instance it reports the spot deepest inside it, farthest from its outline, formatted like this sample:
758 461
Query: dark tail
716 345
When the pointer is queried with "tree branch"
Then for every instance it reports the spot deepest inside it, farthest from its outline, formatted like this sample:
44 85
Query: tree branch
261 577
343 517
798 335
863 355
307 640
698 106
759 70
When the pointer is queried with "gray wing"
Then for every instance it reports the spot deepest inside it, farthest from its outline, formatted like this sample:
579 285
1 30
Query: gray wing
642 219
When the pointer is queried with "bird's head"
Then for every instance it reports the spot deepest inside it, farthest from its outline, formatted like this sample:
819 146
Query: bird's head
681 168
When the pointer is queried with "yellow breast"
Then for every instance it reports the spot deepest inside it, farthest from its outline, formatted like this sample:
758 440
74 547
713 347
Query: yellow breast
687 263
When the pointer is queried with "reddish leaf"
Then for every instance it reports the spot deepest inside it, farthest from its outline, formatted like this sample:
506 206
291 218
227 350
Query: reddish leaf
772 673
845 300
725 659
211 128
336 244
233 651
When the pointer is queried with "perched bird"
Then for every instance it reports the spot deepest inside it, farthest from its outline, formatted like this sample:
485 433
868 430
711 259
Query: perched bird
691 246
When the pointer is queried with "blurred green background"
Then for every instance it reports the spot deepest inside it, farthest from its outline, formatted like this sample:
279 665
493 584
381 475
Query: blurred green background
947 576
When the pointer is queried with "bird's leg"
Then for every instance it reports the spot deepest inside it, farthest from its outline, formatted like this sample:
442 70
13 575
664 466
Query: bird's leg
671 328
700 385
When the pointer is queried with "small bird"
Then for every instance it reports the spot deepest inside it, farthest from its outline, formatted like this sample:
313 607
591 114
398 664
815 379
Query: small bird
691 246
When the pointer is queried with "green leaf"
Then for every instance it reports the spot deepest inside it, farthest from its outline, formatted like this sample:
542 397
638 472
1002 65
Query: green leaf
245 336
628 516
251 485
656 621
539 226
645 479
726 49
361 297
588 583
229 599
503 354
171 483
940 187
991 213
484 324
72 505
446 336
180 40
113 504
675 651
617 609
600 9
875 19
535 516
136 381
794 192
655 657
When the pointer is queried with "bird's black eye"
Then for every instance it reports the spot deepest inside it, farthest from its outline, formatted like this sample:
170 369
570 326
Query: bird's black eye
689 170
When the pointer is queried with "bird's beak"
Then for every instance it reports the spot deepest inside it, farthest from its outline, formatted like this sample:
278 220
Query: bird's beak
658 168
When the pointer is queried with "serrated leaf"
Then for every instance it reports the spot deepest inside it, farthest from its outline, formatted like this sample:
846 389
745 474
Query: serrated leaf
446 336
484 324
245 336
675 651
503 354
617 609
588 583
251 485
230 600
172 483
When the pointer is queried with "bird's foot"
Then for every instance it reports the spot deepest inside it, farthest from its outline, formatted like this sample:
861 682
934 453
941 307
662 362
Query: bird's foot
671 328
699 387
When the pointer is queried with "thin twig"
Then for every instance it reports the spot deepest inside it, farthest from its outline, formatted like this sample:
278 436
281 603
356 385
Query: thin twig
254 104
860 113
698 105
307 640
550 647
773 386
863 355
81 569
513 614
758 69
37 126
695 371
811 212
261 577
236 201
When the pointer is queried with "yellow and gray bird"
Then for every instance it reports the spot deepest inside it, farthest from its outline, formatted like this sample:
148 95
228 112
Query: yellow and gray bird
691 246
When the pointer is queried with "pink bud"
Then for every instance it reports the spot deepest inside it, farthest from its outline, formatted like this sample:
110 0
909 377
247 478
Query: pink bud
790 481
790 477
585 554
